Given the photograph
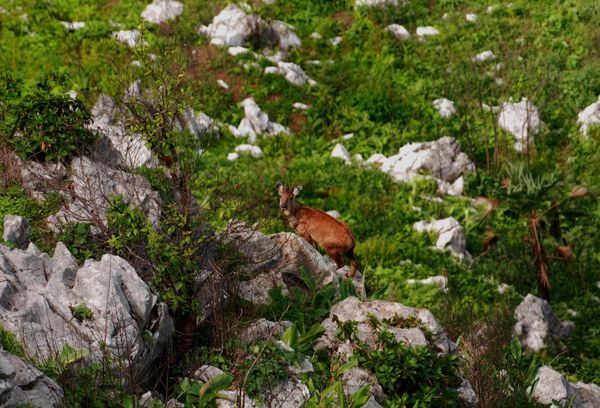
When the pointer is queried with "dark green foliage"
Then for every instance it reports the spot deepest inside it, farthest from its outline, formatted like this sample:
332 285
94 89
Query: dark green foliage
80 241
412 376
47 127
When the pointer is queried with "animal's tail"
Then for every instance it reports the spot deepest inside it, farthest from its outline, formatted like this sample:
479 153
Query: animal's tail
350 255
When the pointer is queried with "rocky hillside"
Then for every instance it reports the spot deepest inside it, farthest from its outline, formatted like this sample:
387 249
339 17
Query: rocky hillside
148 257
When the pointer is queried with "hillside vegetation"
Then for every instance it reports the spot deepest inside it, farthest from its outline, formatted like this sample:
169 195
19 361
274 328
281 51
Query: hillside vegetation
527 215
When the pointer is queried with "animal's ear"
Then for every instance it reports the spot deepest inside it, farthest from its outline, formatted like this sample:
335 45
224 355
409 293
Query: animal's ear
280 188
297 189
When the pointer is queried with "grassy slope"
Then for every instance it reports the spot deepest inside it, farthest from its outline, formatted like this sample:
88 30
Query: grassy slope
381 90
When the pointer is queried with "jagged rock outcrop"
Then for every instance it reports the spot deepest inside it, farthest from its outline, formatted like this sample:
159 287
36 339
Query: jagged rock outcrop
552 386
92 185
162 10
537 325
40 296
21 384
451 236
271 258
16 229
131 148
352 309
442 158
522 120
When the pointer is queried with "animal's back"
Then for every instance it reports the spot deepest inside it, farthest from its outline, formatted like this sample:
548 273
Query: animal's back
324 229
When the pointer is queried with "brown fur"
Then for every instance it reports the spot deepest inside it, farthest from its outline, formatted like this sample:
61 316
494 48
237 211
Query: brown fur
318 228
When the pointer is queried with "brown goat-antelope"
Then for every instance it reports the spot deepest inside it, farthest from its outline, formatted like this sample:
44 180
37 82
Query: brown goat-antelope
318 227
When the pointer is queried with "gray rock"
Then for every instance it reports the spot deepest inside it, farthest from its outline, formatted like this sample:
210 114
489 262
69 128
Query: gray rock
293 73
551 385
130 147
442 158
589 117
352 309
398 31
290 393
92 187
232 27
21 384
467 394
256 290
522 120
39 295
537 324
356 378
262 330
284 35
162 10
16 229
207 372
256 123
451 236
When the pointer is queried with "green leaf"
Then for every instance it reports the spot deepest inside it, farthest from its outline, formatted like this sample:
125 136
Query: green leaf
69 355
360 397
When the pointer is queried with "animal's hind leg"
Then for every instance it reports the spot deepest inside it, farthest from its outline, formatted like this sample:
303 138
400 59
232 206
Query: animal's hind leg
336 255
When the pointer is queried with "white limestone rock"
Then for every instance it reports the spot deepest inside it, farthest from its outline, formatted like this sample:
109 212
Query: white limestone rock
16 229
256 123
484 56
293 73
522 120
451 236
471 18
340 152
445 107
442 158
252 150
589 117
375 3
440 281
162 10
237 50
285 35
300 106
427 31
398 31
537 324
232 27
130 37
73 25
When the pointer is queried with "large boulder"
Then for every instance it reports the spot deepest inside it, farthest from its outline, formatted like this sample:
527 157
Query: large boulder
352 309
537 324
451 236
21 384
442 159
16 229
273 259
92 185
162 10
551 387
589 117
522 120
103 306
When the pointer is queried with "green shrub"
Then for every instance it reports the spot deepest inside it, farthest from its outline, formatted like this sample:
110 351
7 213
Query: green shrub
47 127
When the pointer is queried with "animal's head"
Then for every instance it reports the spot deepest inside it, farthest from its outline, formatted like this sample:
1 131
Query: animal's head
287 197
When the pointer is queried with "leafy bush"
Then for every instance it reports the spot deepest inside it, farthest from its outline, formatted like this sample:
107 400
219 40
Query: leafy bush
411 376
47 127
